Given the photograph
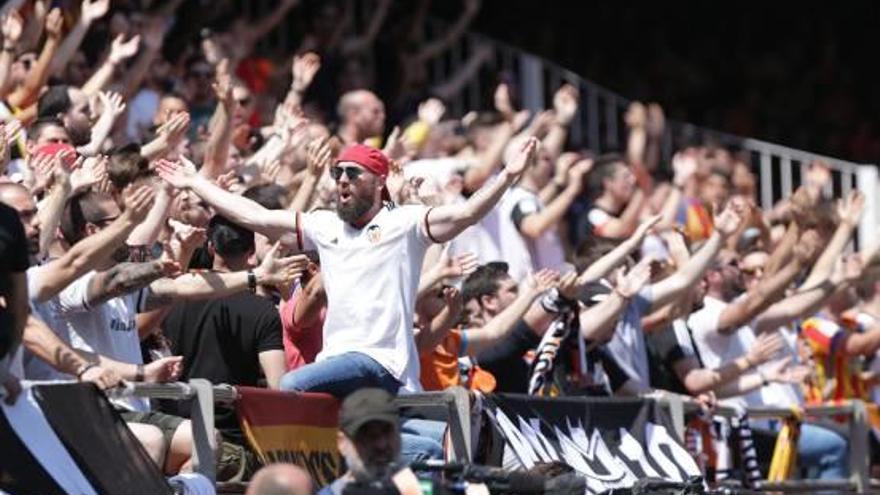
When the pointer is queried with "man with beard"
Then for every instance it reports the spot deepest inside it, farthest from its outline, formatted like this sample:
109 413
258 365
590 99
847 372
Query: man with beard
369 440
371 254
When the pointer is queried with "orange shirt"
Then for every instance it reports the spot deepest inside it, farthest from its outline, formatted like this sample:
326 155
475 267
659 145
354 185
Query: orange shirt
440 369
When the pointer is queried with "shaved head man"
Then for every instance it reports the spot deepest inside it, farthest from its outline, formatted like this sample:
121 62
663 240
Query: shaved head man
280 479
362 116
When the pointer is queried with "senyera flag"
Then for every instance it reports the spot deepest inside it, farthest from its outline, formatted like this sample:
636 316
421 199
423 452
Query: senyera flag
613 443
298 428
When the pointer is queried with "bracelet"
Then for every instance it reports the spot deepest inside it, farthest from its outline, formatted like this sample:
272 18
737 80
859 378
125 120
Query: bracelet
764 381
252 281
83 368
139 373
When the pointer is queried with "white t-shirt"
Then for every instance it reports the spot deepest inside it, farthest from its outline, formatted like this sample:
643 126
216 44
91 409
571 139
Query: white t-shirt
717 349
371 276
109 329
521 253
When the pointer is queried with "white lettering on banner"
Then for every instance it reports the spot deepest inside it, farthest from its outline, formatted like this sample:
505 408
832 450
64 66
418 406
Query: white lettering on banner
632 449
517 441
657 437
533 434
602 465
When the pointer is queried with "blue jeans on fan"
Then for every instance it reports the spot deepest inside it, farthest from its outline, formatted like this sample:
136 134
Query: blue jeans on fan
340 376
824 449
421 439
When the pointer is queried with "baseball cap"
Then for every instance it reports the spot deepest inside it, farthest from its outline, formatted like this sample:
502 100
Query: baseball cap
53 149
364 406
370 158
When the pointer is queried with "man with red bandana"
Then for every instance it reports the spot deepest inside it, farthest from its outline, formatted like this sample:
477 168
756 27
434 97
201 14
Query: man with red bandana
371 253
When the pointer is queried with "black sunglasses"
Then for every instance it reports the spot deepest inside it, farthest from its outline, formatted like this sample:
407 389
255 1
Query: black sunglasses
351 172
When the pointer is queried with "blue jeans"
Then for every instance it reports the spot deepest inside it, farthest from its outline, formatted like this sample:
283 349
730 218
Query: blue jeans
824 449
421 439
340 376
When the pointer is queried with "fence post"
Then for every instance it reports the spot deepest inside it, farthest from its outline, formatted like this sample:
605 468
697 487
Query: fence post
859 458
532 82
868 183
202 418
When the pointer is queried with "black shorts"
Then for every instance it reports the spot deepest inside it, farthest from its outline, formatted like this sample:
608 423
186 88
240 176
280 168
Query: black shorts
165 422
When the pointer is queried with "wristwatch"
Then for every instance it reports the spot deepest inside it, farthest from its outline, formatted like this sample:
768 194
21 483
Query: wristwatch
252 281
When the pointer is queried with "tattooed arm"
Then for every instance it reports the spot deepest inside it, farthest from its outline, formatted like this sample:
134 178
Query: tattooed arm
124 278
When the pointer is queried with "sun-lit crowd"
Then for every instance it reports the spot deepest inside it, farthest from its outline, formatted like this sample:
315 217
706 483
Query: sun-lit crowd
173 216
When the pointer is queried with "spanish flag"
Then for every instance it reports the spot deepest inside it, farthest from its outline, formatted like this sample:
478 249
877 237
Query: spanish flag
297 428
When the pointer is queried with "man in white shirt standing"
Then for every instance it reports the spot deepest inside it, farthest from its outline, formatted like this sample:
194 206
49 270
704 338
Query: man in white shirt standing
371 255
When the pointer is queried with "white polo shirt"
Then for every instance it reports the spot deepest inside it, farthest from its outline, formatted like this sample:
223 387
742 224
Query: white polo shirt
371 276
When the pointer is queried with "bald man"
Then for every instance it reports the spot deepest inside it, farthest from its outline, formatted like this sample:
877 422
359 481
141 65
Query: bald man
281 479
362 116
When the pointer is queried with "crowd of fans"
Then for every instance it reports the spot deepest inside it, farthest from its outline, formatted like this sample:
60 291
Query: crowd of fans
166 220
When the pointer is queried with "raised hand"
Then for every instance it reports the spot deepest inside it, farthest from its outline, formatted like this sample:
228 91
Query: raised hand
93 10
781 372
577 173
503 103
222 84
175 173
684 164
319 156
629 284
850 209
187 236
54 24
645 227
305 67
275 270
727 222
431 111
765 347
138 202
565 102
92 171
636 116
227 181
459 266
154 33
174 129
12 27
542 281
121 50
163 370
397 148
656 120
112 102
524 157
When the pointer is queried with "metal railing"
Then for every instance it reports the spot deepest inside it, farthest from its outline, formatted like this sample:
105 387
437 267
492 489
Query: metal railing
857 420
599 125
452 404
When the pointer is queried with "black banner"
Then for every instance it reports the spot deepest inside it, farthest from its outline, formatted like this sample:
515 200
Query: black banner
613 443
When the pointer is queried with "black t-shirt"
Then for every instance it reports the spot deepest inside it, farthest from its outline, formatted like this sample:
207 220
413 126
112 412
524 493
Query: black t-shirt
505 359
13 259
663 352
220 340
13 243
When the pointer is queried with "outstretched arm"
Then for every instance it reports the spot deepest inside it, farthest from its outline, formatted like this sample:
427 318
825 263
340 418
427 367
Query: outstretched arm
91 10
445 222
247 213
87 253
480 339
27 94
